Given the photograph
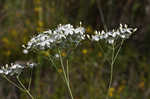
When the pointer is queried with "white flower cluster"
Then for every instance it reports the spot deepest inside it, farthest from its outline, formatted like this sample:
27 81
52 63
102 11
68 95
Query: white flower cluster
14 68
123 32
50 38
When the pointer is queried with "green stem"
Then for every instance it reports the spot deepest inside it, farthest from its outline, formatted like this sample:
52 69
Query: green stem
67 70
13 83
111 73
29 94
52 62
29 85
101 48
118 51
26 90
114 57
65 76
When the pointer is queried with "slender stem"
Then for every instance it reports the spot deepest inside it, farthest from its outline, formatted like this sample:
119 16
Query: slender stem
29 85
13 83
53 62
118 51
26 90
114 57
103 52
111 73
67 70
29 94
65 76
71 50
21 83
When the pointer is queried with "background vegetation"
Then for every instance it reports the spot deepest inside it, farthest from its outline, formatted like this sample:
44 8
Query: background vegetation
89 72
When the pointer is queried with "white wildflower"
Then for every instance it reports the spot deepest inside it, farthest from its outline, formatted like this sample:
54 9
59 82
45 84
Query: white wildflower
1 71
80 30
13 69
57 55
25 51
31 65
111 41
123 32
95 38
51 38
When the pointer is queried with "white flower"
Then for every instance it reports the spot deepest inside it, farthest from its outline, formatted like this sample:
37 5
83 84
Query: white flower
25 51
105 36
14 66
111 41
80 30
51 38
1 71
13 69
102 32
57 55
122 36
95 37
48 32
31 65
88 36
123 32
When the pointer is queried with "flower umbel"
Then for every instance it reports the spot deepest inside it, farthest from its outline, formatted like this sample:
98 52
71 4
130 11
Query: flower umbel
14 68
111 36
51 38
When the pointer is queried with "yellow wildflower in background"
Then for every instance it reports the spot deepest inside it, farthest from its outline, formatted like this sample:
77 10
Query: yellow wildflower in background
63 54
45 53
120 89
37 9
60 70
7 53
99 54
38 29
89 29
5 40
84 51
40 23
111 91
141 84
14 32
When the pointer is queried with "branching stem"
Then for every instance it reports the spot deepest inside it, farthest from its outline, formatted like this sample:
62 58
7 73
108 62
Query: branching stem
66 76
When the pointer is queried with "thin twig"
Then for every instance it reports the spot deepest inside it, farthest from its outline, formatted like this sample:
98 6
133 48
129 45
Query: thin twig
118 51
65 76
103 53
13 83
111 73
26 90
67 70
29 85
53 62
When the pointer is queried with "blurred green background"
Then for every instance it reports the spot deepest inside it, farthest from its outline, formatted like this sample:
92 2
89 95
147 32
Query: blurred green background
89 71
